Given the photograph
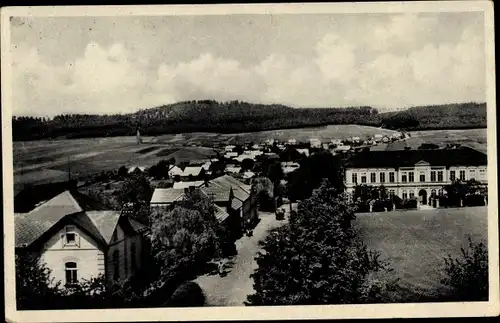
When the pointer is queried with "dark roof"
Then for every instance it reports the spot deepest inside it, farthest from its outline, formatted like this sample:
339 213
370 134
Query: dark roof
220 189
27 196
463 156
31 226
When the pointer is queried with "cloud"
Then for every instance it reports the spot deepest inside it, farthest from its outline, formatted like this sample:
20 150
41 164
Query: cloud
391 65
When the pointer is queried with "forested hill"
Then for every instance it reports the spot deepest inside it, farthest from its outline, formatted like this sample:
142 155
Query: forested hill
236 116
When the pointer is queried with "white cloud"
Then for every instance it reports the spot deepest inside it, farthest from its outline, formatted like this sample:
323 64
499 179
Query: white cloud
112 79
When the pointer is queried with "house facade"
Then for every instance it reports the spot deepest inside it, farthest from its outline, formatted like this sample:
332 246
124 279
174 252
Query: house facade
77 245
415 173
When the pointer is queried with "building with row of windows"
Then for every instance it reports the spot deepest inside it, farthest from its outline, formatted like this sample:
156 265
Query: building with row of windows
415 173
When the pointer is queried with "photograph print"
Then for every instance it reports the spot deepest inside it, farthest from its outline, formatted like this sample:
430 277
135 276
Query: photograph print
186 159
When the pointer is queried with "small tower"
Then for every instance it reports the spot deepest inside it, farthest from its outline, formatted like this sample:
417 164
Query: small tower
138 136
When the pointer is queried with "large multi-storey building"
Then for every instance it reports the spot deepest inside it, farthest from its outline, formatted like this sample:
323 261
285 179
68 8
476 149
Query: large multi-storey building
415 173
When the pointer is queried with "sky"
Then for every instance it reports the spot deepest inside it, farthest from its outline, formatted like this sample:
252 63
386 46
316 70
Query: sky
122 64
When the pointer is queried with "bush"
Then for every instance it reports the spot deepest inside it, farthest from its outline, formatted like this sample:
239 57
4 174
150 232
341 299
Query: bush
468 275
188 294
408 204
474 200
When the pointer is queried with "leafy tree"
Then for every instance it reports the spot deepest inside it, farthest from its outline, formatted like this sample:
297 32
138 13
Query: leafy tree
247 164
428 146
311 173
122 171
35 289
263 190
467 275
318 258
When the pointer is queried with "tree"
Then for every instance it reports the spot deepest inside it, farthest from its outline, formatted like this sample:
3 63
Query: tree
318 258
122 171
247 164
35 288
263 190
311 173
467 275
428 146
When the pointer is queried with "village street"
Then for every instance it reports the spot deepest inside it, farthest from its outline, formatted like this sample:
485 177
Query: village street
233 288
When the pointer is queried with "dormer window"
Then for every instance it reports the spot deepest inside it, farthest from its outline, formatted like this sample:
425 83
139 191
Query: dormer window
70 236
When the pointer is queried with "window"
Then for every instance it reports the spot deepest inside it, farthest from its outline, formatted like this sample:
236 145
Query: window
411 177
392 193
71 273
422 177
373 177
363 179
382 177
440 192
440 176
391 177
452 175
412 194
462 175
70 236
354 178
404 178
133 257
116 262
404 195
433 193
433 176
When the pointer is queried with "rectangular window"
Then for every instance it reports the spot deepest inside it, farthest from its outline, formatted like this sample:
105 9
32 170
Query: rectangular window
382 177
433 176
412 194
452 175
422 177
363 179
440 176
405 195
71 273
373 177
354 177
70 235
411 177
404 178
391 177
391 192
462 175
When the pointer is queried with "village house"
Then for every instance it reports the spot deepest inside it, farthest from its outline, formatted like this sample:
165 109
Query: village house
315 143
78 244
229 148
292 142
356 140
235 197
385 139
183 185
415 173
133 169
303 151
192 173
174 171
231 155
289 167
378 137
232 169
336 142
343 148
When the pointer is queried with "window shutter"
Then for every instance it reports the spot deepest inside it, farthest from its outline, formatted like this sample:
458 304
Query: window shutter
77 240
61 236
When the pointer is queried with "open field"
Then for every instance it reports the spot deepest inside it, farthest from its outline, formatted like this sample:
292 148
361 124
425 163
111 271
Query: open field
301 134
474 138
47 160
416 242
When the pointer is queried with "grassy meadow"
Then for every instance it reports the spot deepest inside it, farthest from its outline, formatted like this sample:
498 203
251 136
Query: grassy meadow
416 242
47 160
